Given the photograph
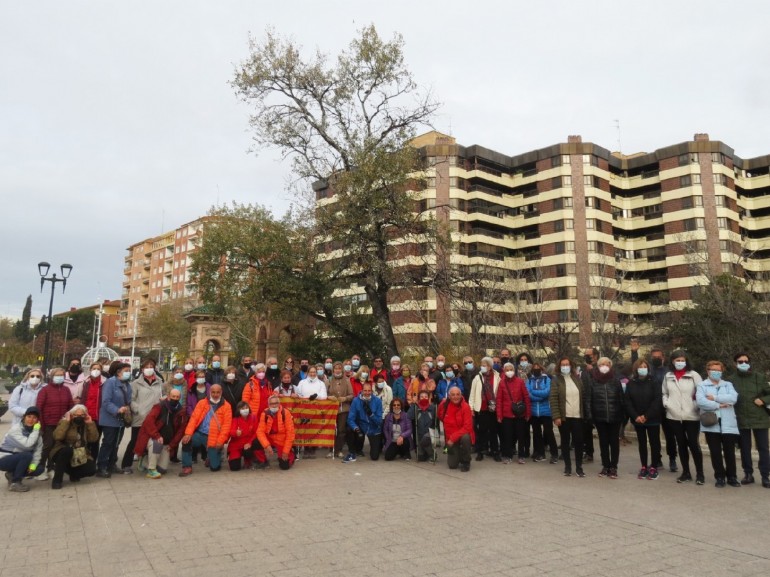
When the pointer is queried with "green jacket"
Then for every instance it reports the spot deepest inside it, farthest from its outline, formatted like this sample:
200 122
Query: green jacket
558 398
750 386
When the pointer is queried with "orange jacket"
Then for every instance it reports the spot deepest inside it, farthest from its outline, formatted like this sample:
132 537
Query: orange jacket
219 427
256 396
284 438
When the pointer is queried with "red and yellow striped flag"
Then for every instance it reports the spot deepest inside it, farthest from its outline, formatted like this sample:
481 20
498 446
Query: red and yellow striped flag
314 421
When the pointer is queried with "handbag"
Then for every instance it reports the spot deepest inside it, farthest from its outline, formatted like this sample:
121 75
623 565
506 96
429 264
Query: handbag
79 457
709 418
127 416
518 408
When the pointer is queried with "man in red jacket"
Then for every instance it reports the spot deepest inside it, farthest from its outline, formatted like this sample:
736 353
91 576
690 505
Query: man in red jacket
455 413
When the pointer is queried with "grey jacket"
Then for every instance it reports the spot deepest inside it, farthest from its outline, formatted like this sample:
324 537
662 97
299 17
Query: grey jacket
23 397
144 396
17 440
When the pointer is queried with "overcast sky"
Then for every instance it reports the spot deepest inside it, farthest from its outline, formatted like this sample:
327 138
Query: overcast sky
117 121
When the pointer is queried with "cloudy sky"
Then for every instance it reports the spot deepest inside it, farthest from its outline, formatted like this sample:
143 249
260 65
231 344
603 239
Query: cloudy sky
117 121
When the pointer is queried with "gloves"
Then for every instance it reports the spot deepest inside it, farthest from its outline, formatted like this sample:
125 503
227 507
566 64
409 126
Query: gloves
36 427
33 467
313 397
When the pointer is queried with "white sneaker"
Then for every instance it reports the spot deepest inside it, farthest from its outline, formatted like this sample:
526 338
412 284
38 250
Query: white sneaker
42 476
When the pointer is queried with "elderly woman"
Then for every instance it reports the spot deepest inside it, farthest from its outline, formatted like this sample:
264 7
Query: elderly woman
679 387
146 391
483 403
605 406
92 398
568 410
25 394
70 451
717 398
178 382
397 432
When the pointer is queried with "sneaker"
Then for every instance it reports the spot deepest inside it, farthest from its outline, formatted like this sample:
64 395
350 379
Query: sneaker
672 465
330 454
127 471
261 466
748 479
43 476
186 472
643 473
465 467
507 461
567 473
580 473
161 470
604 472
766 482
103 474
539 459
684 478
588 458
18 487
351 458
700 480
522 460
720 483
653 474
153 474
613 473
497 458
554 460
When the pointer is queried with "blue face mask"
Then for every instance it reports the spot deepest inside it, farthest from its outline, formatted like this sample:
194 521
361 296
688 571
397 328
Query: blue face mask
468 366
743 367
216 364
450 375
715 375
497 367
642 371
523 364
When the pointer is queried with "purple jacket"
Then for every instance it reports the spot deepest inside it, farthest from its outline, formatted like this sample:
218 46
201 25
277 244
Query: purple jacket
387 428
192 397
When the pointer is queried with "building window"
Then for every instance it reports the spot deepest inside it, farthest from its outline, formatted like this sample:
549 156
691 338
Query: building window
566 181
569 246
558 248
565 159
685 181
687 202
720 178
558 225
720 200
556 161
569 224
722 223
724 245
587 180
586 159
590 223
558 203
591 202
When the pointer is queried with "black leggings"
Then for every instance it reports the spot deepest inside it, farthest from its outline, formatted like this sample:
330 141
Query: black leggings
572 428
512 433
394 450
609 443
643 433
687 433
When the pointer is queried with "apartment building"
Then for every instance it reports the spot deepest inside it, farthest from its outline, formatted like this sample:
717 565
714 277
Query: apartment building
156 271
578 237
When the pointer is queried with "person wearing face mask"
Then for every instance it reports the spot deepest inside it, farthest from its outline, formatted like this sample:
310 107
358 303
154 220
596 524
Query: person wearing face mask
512 394
359 379
469 373
419 382
395 370
285 387
505 356
146 391
339 388
483 403
92 399
423 415
590 357
243 432
216 374
189 371
304 367
275 434
455 414
53 400
568 408
643 404
717 396
160 434
364 421
74 379
178 382
25 395
539 390
679 387
209 426
449 379
604 399
438 373
244 372
328 367
233 386
70 451
383 392
311 387
199 391
321 372
21 450
116 400
753 396
397 432
257 391
273 372
400 375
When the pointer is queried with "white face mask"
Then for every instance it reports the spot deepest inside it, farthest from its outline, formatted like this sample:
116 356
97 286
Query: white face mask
96 373
509 374
396 411
201 366
604 369
34 380
188 367
125 376
483 369
201 380
440 364
214 401
58 379
680 365
244 413
148 372
565 370
179 376
364 376
230 376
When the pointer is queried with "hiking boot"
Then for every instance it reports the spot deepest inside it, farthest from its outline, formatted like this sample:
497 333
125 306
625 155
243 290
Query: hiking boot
748 479
720 482
652 474
186 472
18 487
55 484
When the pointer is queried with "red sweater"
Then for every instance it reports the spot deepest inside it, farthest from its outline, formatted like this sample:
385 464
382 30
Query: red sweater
457 420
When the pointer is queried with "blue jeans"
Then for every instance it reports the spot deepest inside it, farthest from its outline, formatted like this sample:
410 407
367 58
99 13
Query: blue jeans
201 440
17 464
108 452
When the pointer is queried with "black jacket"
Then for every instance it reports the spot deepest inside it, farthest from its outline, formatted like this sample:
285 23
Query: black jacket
644 397
604 400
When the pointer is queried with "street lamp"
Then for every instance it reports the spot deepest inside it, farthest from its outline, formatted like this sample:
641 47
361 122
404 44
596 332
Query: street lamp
43 268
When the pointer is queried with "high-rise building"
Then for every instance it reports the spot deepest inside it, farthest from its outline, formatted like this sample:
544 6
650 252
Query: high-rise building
579 239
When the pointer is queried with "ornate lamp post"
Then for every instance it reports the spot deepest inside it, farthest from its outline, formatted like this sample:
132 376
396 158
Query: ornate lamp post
43 268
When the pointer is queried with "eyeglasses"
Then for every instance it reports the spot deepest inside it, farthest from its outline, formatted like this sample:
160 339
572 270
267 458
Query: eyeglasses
742 361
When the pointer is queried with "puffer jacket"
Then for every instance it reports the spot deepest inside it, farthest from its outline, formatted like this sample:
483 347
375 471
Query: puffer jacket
604 399
144 396
219 426
243 431
512 391
679 396
643 399
115 394
76 386
22 398
457 419
358 419
158 417
256 393
53 401
283 438
20 439
539 389
387 429
558 400
750 386
724 394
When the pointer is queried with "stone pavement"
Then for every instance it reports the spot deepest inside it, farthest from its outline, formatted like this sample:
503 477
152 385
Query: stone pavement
328 518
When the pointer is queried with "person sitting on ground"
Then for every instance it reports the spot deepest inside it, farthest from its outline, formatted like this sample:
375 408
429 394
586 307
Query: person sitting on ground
243 432
275 433
209 427
160 434
21 450
70 451
397 432
364 420
423 414
455 413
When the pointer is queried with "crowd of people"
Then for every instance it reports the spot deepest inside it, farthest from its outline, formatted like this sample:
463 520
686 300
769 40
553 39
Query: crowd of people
72 422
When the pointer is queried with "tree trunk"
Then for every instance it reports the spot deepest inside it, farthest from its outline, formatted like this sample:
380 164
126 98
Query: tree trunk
378 300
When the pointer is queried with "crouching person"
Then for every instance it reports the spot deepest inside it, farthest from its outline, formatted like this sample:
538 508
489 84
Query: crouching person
160 434
455 413
72 437
209 427
21 450
243 434
275 433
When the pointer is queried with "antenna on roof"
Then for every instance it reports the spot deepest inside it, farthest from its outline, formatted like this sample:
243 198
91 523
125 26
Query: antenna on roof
617 126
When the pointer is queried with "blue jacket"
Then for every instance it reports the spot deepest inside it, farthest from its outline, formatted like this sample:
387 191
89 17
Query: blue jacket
358 419
115 394
539 389
399 390
443 386
724 393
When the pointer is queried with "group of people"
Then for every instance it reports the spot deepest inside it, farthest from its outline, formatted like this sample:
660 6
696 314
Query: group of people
72 422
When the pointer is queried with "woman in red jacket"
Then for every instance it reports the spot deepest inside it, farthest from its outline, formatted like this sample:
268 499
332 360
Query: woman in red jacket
513 409
91 397
243 433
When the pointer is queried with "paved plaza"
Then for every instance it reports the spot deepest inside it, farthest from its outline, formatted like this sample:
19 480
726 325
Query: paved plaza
386 518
